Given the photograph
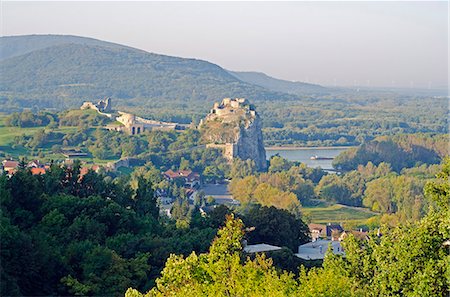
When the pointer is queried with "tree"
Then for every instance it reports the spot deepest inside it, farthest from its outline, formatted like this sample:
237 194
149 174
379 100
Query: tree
184 164
212 174
220 272
200 199
241 168
332 188
145 200
275 226
278 164
407 260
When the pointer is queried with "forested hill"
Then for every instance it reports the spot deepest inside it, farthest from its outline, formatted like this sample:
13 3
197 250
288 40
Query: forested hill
279 85
72 69
12 46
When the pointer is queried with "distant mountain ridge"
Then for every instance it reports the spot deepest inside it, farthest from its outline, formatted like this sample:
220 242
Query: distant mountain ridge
12 46
60 70
279 85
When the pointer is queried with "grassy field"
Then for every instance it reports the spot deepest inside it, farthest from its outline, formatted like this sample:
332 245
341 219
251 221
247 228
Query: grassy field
7 135
337 213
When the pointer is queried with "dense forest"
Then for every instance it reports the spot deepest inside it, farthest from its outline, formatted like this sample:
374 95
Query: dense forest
67 234
400 151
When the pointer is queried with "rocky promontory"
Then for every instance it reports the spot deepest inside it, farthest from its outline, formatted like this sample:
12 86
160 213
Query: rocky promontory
235 126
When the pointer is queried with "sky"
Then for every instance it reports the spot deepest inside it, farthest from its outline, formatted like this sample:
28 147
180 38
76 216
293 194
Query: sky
370 44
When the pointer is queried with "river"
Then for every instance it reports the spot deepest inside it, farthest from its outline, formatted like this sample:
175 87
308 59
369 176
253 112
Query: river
304 154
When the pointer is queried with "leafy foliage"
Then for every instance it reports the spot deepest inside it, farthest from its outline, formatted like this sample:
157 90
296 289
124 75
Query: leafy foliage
275 226
63 234
409 260
220 272
399 151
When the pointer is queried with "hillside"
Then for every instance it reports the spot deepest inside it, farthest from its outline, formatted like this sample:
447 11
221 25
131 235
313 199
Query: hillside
12 46
279 85
64 74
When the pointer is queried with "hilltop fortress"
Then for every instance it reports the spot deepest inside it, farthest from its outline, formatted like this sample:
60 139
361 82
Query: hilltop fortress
127 122
234 126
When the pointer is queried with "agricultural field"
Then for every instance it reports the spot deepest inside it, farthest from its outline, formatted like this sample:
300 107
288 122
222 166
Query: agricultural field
337 213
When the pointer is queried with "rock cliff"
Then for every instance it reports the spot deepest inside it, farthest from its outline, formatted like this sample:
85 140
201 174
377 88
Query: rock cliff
234 126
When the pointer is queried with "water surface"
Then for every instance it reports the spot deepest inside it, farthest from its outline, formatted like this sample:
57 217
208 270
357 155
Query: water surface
304 155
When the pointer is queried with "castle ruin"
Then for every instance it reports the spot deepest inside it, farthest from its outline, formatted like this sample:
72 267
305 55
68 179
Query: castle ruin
102 106
234 126
133 125
127 122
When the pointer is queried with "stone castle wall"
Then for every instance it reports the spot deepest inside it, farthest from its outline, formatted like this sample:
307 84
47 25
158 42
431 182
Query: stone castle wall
248 139
230 150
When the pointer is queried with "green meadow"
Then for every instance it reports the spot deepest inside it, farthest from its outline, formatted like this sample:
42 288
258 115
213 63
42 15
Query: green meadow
8 149
337 213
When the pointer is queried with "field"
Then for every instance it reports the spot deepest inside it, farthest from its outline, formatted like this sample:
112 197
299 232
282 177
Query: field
337 213
7 148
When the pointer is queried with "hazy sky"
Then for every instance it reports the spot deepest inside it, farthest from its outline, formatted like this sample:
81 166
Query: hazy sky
398 44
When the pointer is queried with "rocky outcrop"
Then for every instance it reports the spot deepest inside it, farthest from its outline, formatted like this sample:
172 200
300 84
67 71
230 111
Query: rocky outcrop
234 126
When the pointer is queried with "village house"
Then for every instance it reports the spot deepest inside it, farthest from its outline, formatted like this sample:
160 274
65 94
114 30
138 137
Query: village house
10 166
329 231
316 250
191 179
35 164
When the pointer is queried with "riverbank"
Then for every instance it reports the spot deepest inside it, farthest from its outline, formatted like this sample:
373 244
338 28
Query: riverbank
296 148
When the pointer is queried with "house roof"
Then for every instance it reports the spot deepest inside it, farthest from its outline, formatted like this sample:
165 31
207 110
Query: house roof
317 249
37 171
34 163
189 192
357 234
259 248
171 174
317 227
10 163
181 174
184 172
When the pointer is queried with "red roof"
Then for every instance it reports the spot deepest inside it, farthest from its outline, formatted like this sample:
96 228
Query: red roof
171 174
83 171
185 172
37 171
189 174
318 227
10 163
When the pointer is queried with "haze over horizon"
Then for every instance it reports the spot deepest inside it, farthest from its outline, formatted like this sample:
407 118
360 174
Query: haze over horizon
369 44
